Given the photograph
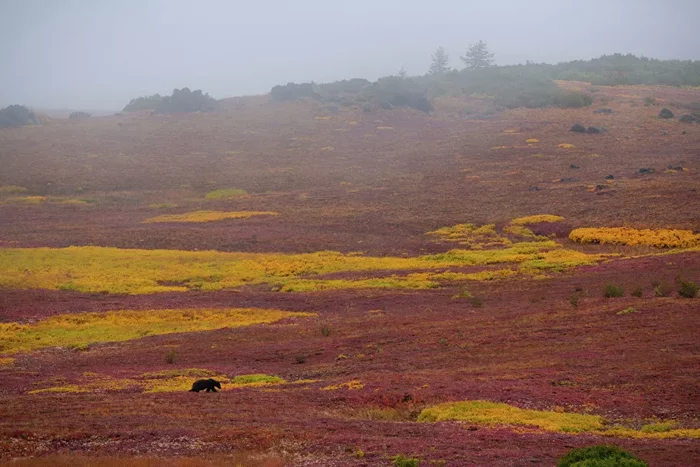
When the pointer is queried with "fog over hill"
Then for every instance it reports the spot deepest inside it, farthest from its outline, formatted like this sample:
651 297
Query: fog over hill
99 55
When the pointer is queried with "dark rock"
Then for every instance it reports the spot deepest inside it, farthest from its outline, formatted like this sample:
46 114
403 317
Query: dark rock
574 166
568 179
675 167
684 132
687 118
593 129
534 188
610 177
366 108
665 113
603 111
578 128
646 170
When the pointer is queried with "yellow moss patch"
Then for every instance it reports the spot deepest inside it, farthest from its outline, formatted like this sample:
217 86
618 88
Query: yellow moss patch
661 238
510 131
226 193
536 219
328 148
9 189
566 146
501 147
324 117
532 141
353 385
208 216
498 414
82 329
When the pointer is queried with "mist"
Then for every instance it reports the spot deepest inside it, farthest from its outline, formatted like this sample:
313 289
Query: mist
98 55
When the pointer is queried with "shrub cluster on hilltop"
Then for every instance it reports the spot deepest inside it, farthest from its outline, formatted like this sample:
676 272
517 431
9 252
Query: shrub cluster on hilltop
527 85
181 100
15 116
144 103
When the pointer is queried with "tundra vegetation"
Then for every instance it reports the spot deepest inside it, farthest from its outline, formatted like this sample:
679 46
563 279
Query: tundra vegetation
374 272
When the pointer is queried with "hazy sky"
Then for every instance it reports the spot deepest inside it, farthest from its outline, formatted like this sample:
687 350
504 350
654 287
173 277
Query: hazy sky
98 54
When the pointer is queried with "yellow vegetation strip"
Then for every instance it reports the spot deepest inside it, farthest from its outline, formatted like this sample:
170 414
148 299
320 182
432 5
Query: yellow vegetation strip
177 380
78 330
208 216
660 238
499 414
133 271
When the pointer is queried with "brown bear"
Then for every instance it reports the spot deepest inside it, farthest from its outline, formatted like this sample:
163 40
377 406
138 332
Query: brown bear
209 384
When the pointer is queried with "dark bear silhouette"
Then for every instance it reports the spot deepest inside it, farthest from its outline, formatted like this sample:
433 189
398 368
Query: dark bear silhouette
209 384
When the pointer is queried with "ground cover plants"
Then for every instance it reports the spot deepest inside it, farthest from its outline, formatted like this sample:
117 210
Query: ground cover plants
369 285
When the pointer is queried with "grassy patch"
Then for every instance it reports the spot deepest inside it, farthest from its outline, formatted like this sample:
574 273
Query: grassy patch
661 238
87 328
226 193
208 216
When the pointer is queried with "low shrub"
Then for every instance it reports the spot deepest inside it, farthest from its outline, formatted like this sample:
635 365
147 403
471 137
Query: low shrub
574 300
613 291
326 331
599 456
184 100
170 356
79 115
637 292
144 103
688 289
572 100
15 116
662 290
401 461
293 91
181 100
